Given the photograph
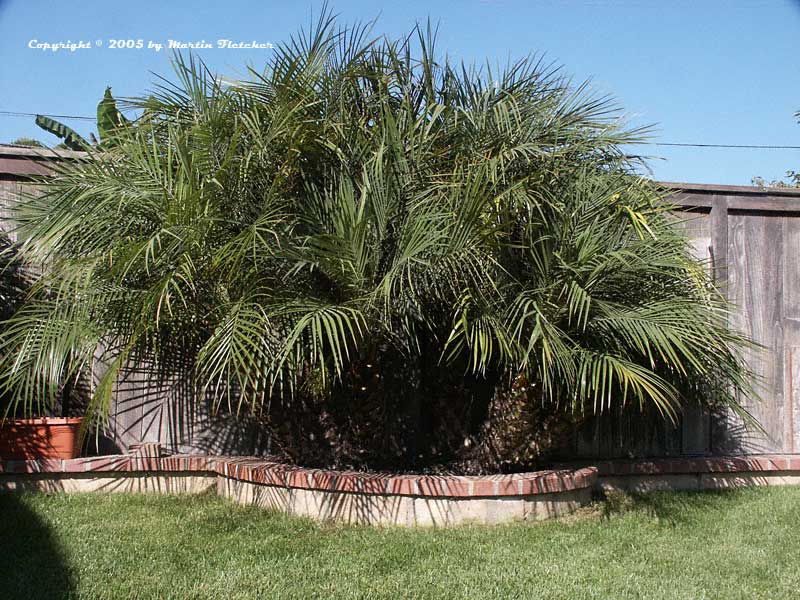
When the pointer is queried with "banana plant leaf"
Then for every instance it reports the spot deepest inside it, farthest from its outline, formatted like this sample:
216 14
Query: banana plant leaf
109 119
72 139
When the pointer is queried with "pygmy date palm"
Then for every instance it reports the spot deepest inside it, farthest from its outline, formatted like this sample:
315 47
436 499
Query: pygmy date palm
361 202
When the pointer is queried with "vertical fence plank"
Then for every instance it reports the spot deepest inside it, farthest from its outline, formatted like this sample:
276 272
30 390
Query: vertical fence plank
708 234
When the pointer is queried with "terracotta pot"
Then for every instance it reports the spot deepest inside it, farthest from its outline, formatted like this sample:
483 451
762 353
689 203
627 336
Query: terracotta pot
42 437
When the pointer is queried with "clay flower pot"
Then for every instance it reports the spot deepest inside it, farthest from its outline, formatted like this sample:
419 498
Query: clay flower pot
42 437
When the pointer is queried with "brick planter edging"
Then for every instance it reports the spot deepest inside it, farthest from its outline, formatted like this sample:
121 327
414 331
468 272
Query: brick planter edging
391 499
700 473
766 463
256 470
259 471
522 484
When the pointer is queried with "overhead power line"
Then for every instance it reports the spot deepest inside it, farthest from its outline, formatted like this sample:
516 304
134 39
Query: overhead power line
8 113
755 146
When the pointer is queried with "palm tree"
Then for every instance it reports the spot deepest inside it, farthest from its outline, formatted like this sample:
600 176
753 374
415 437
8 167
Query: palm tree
363 212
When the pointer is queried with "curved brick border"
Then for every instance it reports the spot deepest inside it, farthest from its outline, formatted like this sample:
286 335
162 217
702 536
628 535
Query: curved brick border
320 494
392 499
426 486
254 470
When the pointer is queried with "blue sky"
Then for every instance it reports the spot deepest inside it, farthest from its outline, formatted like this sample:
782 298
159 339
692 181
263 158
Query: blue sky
702 71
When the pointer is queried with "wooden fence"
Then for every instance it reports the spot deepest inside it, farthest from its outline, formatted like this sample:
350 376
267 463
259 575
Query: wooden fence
751 240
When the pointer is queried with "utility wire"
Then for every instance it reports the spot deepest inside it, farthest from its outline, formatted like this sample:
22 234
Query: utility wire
756 146
7 113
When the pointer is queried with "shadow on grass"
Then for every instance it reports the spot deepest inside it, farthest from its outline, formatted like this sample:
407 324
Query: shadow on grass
33 565
673 507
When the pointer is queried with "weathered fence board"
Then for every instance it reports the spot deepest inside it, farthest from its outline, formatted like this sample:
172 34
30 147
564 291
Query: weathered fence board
751 239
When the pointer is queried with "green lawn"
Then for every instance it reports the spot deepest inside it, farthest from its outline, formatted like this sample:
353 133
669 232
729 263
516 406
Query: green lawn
741 544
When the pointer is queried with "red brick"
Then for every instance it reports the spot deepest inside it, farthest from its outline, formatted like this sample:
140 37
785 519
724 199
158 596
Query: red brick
198 463
48 465
297 478
508 485
321 480
565 479
402 485
102 464
371 484
257 473
346 482
352 482
73 465
761 464
780 463
439 486
169 463
459 487
549 483
644 467
532 485
145 463
585 477
483 487
274 475
44 465
727 465
429 485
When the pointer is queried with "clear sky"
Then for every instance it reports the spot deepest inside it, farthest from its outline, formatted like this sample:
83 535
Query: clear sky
702 71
